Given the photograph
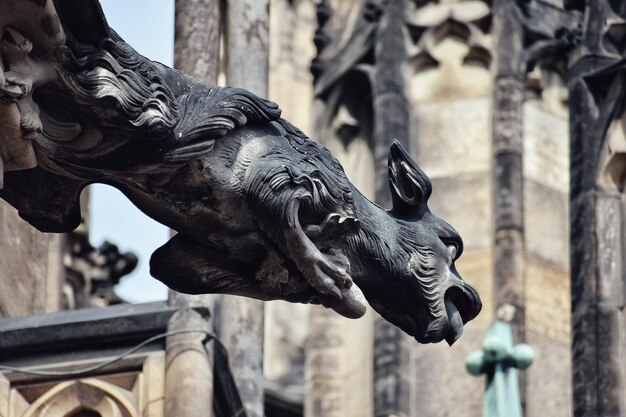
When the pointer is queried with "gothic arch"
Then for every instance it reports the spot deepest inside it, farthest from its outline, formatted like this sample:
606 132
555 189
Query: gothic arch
451 52
89 395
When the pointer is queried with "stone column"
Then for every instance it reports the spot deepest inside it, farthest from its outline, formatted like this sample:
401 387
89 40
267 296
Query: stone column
188 368
292 26
391 108
508 187
392 382
597 253
598 169
241 326
247 45
508 181
198 27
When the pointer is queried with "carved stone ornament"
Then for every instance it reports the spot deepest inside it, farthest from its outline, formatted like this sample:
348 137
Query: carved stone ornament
261 210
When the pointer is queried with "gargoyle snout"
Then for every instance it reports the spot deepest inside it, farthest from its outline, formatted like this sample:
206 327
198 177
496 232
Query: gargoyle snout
462 305
465 298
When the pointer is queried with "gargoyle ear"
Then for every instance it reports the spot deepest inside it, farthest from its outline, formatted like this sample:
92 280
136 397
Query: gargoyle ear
410 187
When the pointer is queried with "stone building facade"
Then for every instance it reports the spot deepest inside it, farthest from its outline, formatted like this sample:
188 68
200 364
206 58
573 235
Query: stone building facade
448 77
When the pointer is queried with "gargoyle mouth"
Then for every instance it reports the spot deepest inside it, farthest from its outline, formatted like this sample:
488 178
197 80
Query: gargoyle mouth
462 305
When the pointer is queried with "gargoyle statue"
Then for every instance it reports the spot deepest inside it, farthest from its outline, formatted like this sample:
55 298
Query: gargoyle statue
260 209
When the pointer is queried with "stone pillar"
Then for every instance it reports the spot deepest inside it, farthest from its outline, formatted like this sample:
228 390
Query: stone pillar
241 332
597 262
292 26
241 327
188 368
508 181
507 130
598 169
198 27
189 362
391 109
247 45
392 382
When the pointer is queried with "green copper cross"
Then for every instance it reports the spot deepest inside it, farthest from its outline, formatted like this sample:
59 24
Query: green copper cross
499 359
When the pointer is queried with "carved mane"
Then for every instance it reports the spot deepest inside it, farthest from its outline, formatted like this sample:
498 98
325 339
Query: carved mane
127 98
116 74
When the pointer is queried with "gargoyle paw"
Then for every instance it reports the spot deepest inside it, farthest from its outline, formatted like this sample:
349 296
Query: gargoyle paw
330 274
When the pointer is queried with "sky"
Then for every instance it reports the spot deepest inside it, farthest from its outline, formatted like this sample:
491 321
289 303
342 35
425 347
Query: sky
148 26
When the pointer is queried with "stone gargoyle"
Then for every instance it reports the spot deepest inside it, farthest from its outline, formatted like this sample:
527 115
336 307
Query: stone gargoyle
261 210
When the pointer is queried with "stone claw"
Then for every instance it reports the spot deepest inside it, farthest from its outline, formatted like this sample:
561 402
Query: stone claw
328 277
333 225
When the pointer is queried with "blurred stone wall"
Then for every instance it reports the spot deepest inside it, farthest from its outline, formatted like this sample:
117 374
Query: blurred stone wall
546 218
31 267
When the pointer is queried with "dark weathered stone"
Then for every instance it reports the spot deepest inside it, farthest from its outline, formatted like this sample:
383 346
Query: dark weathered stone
508 191
509 287
596 87
391 109
278 404
260 209
92 273
392 383
84 328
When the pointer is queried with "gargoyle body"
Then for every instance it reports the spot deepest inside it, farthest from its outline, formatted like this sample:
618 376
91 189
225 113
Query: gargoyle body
260 209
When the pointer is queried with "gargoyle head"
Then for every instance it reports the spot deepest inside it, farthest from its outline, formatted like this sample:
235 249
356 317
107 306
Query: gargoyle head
420 291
